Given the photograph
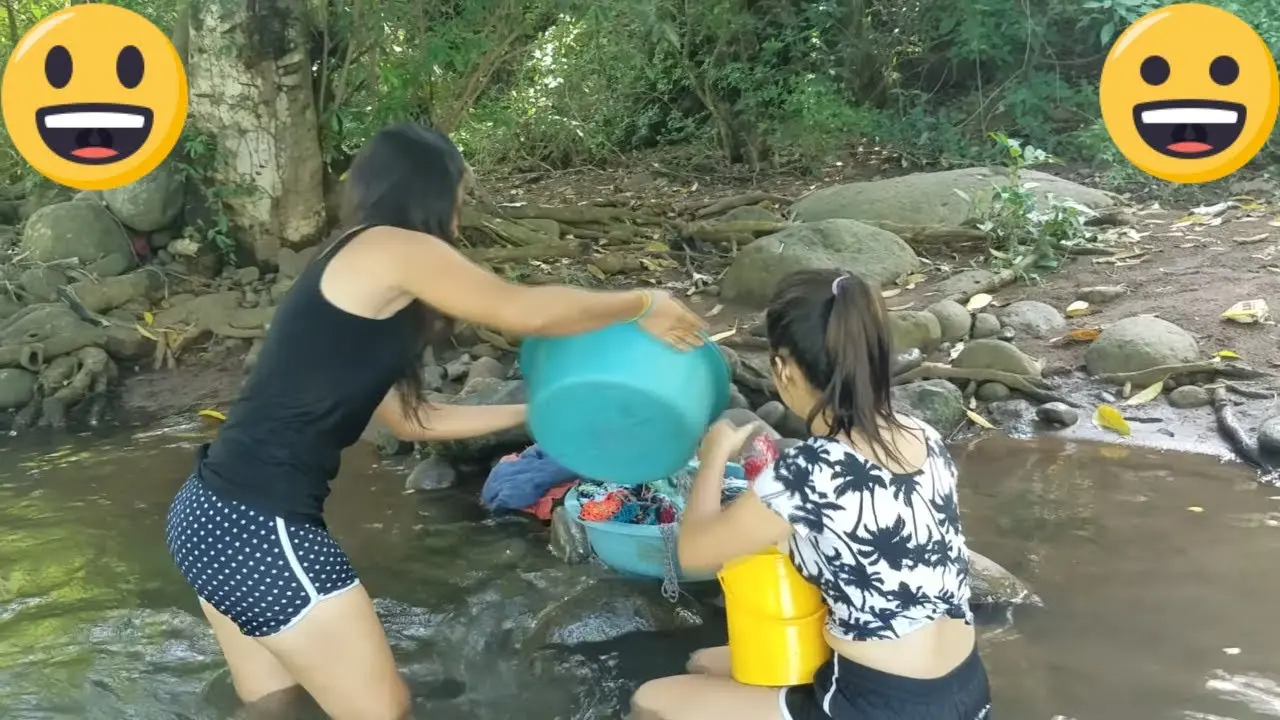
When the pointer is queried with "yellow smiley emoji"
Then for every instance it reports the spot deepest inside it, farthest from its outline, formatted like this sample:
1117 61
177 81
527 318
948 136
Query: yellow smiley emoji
94 97
1189 93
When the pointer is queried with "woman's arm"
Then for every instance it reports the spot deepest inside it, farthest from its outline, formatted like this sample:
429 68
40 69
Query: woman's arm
710 536
437 423
434 272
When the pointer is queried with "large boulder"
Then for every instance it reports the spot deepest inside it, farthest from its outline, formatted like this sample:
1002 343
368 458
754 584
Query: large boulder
930 198
996 355
150 203
937 402
872 253
1140 343
80 230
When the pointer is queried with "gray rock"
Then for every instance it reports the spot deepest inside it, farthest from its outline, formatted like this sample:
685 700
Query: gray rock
458 368
42 283
151 202
953 319
1140 343
486 367
17 387
985 325
432 473
930 198
780 418
160 239
914 329
906 361
568 538
607 609
547 227
874 254
993 392
737 399
290 263
386 442
1057 413
80 230
1187 397
1015 417
433 378
996 355
487 391
750 213
1034 318
991 584
966 282
89 196
936 402
1269 436
248 275
484 350
1006 334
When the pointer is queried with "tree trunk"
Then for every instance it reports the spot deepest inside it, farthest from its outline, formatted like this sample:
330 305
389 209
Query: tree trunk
251 92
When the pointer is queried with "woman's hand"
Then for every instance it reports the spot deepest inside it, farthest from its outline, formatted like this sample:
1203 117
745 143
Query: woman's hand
670 321
723 440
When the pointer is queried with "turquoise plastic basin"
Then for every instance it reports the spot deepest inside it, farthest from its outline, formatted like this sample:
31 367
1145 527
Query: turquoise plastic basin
619 405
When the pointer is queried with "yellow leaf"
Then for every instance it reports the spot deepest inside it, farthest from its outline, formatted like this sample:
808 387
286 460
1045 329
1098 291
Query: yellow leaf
148 318
1229 354
890 292
1078 308
212 414
1147 395
977 302
657 247
1109 418
979 420
597 272
146 333
1084 334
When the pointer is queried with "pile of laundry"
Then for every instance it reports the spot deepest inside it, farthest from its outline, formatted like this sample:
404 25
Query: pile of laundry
529 482
645 504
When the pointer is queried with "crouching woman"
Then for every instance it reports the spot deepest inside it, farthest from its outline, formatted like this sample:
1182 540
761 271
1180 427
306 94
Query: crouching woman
867 511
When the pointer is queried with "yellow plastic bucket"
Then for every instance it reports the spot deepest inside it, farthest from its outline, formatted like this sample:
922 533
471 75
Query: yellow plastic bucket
775 620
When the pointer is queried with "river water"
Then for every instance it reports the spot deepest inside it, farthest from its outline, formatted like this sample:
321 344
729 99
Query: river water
1157 572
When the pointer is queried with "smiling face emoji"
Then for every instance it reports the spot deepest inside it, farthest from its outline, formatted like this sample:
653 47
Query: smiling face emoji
94 97
1189 93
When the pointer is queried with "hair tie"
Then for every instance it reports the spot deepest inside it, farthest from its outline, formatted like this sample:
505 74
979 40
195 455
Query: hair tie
835 284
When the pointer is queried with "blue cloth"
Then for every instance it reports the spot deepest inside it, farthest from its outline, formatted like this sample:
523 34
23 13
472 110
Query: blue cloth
517 484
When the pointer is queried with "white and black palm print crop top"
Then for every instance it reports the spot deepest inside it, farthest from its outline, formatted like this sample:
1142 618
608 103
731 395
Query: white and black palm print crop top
885 548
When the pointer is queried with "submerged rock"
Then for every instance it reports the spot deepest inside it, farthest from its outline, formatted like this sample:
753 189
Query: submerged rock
936 402
432 473
1269 436
1140 343
991 584
17 387
1015 417
568 538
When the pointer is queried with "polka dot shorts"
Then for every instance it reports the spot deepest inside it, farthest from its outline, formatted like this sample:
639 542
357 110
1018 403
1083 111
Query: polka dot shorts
263 572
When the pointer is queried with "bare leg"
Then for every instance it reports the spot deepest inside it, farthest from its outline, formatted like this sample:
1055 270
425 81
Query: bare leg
710 661
255 672
698 697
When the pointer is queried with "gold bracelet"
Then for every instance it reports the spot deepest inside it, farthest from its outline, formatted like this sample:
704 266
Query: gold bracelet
644 310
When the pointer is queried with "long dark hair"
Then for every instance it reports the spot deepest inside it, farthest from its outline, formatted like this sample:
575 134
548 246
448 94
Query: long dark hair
407 176
833 325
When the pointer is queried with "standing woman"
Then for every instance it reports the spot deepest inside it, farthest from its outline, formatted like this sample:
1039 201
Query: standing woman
867 507
247 529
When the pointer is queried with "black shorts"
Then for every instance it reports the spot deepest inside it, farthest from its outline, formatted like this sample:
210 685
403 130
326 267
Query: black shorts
263 572
845 690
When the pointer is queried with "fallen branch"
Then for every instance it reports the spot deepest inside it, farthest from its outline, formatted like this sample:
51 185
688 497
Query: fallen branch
1229 427
1005 277
924 235
1144 378
1252 393
723 205
1026 384
542 251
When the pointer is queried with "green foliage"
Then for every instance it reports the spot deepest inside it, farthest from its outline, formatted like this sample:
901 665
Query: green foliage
198 153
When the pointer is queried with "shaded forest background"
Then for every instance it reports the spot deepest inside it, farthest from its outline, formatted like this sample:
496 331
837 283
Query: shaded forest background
768 85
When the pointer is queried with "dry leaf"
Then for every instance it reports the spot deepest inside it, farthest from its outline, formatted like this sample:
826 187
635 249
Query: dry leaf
1109 418
1248 311
977 302
597 272
1127 390
1147 395
212 414
1254 239
1196 508
657 247
722 335
891 292
1078 308
979 420
714 311
1088 334
146 333
902 307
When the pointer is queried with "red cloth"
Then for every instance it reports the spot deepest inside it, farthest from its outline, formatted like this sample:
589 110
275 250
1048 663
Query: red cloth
542 509
761 455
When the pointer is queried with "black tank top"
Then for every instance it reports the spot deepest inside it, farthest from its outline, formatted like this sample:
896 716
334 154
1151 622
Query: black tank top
320 375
